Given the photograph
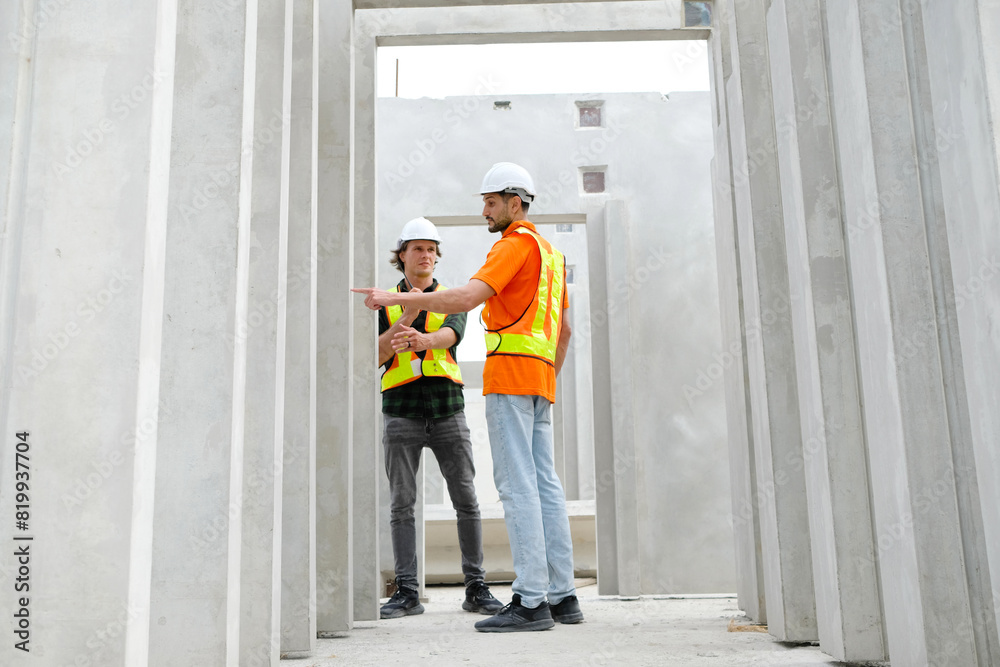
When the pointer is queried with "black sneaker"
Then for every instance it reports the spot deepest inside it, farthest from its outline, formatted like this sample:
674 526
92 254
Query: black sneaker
479 599
404 602
567 611
515 618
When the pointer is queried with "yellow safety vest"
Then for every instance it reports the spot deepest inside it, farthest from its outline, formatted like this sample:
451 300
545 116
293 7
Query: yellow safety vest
536 332
407 366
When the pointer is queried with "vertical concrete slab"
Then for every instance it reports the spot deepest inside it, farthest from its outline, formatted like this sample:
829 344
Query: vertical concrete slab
834 455
917 454
784 523
604 459
743 478
367 399
335 321
957 156
566 384
197 545
70 330
298 478
11 62
263 328
616 239
558 433
984 392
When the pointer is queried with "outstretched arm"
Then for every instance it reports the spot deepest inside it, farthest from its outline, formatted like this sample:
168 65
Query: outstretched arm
458 300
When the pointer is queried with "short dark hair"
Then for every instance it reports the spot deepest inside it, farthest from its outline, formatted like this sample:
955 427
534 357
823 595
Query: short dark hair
506 198
398 263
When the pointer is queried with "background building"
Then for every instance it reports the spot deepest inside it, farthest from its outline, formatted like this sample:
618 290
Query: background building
630 172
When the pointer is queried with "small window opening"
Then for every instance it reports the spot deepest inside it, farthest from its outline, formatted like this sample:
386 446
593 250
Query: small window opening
590 116
593 181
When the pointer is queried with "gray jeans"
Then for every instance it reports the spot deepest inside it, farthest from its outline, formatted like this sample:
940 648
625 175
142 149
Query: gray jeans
448 438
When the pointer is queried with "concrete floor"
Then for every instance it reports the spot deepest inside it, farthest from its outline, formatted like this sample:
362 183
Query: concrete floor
647 631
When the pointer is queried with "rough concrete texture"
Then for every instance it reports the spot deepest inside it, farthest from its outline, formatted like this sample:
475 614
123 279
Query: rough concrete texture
648 631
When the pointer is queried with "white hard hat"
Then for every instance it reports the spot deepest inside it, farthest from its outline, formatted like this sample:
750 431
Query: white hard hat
418 228
511 178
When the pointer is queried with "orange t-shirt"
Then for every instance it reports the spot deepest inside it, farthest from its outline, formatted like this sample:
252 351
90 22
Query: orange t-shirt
511 270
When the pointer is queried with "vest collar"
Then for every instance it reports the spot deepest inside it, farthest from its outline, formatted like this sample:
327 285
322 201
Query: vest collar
518 223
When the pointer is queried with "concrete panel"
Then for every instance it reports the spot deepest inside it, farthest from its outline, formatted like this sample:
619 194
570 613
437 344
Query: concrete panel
298 477
605 514
623 446
70 298
834 455
784 524
263 328
367 399
675 346
893 221
195 604
743 479
12 60
546 22
335 321
965 251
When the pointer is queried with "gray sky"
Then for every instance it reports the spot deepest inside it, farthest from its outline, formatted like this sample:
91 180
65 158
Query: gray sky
511 69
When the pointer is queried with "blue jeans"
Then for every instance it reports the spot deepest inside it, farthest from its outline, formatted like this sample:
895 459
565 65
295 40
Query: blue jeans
534 505
402 441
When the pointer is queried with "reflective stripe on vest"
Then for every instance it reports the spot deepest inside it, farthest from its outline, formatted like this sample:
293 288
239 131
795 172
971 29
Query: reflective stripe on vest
407 366
536 332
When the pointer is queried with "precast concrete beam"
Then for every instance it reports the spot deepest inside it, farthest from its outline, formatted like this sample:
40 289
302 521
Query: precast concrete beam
959 134
745 511
335 313
298 477
605 514
367 400
771 373
262 327
616 239
197 546
927 513
84 215
834 456
521 23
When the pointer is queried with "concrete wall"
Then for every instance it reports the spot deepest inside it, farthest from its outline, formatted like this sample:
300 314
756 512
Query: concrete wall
886 172
655 152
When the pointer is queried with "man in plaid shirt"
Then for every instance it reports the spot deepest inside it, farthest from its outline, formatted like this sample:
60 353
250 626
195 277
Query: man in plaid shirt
423 406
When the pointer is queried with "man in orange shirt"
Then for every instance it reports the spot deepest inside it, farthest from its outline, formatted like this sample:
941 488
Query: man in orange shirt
523 284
